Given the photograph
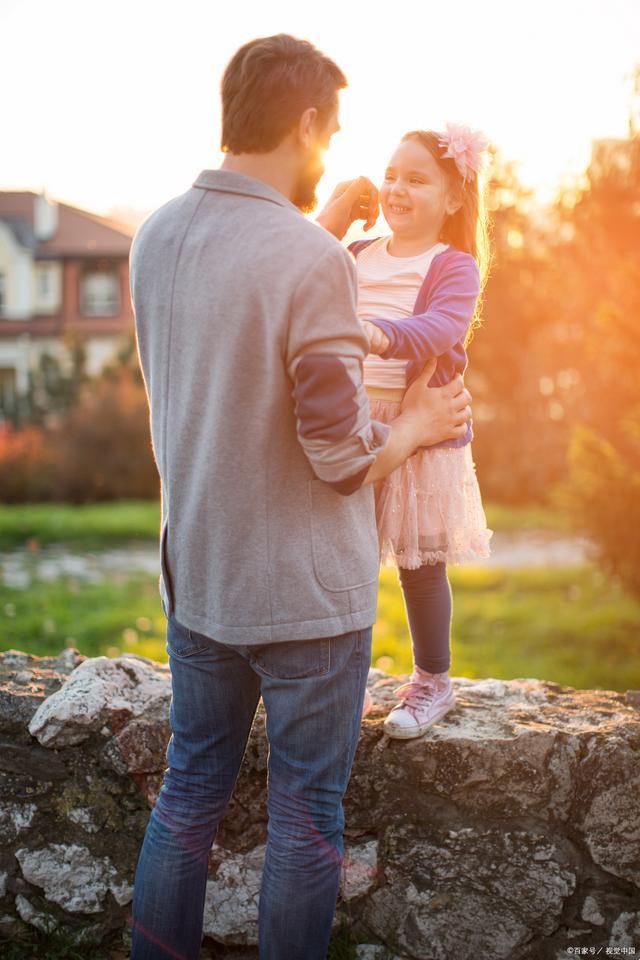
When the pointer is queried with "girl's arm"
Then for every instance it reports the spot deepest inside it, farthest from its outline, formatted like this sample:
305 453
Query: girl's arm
444 323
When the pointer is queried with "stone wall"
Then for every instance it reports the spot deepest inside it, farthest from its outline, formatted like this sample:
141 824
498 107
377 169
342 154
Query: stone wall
511 830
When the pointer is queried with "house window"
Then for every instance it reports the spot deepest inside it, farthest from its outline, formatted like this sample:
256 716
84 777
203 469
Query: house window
100 290
44 283
47 288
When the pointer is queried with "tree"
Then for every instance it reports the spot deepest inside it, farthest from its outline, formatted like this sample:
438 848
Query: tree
53 387
603 492
520 431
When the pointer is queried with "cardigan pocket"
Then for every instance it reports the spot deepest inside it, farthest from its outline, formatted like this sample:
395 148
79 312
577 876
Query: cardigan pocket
344 540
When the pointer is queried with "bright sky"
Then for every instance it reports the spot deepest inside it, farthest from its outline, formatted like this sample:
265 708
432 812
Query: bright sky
116 105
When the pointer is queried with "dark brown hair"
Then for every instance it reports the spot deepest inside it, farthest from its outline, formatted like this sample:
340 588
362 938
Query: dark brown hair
468 228
267 86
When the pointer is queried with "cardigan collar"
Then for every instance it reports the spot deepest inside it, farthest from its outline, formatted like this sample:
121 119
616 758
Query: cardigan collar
228 181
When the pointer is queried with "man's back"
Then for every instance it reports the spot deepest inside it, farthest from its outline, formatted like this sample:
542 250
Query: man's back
232 288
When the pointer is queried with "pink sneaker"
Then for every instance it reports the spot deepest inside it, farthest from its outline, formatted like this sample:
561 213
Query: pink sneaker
426 698
368 702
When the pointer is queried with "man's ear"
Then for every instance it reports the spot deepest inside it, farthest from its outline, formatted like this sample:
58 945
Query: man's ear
307 126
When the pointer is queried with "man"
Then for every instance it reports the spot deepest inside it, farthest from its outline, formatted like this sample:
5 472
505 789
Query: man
252 359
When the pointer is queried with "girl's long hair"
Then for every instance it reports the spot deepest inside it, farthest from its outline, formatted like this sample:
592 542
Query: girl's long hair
468 228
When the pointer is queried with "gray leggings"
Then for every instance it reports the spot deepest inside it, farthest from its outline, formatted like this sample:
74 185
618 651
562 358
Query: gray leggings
427 597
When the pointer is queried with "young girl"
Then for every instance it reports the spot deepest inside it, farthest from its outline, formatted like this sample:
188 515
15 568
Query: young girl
417 298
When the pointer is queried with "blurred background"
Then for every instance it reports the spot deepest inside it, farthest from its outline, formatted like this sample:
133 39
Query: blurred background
110 111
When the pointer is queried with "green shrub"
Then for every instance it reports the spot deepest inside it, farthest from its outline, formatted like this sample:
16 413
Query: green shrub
103 444
99 449
604 496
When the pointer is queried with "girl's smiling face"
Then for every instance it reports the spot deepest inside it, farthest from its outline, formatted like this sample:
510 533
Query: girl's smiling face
415 195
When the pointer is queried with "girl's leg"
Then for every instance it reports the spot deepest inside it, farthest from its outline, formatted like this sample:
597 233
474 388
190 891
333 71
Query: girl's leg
427 597
429 693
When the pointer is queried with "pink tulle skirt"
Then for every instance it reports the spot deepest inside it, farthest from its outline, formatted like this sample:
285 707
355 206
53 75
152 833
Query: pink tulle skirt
430 508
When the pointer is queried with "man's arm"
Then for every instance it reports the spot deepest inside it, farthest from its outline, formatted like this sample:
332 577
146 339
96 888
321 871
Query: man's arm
325 351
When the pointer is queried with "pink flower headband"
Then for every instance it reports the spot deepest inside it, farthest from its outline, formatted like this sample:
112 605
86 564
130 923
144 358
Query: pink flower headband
465 147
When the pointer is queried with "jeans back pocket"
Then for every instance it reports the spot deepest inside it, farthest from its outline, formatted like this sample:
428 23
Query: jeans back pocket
292 659
183 642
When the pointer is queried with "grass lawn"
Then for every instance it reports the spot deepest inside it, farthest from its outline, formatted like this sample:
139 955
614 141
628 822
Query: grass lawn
106 524
573 626
87 527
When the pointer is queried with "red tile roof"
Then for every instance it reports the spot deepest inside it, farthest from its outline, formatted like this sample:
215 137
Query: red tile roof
79 232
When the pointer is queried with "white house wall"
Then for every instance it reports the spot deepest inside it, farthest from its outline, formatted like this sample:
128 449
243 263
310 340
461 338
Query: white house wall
16 264
14 355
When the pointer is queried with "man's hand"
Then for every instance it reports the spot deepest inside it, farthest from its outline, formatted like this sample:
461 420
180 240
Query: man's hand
351 200
378 341
440 413
427 415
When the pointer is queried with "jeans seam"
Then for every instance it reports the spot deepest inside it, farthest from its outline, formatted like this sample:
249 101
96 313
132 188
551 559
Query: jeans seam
352 749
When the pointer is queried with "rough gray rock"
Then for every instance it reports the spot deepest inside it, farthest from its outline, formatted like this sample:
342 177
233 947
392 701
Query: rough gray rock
469 891
35 917
611 825
359 870
511 830
100 692
625 931
231 902
72 876
15 818
372 951
591 911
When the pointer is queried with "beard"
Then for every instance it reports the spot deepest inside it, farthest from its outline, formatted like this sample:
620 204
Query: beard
304 194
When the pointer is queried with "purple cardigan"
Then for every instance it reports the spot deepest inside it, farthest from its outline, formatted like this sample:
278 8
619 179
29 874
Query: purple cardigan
442 313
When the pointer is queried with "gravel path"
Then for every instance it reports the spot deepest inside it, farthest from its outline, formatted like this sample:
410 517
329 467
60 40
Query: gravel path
537 548
19 568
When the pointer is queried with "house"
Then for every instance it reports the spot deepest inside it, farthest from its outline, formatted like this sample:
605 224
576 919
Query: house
63 275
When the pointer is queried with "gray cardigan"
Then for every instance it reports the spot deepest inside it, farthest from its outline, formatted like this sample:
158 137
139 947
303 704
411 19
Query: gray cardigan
252 359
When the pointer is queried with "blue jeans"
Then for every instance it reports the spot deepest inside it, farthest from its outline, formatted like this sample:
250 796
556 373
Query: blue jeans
313 692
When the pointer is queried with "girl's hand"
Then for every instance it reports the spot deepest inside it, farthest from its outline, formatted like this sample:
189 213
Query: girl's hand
351 200
378 341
